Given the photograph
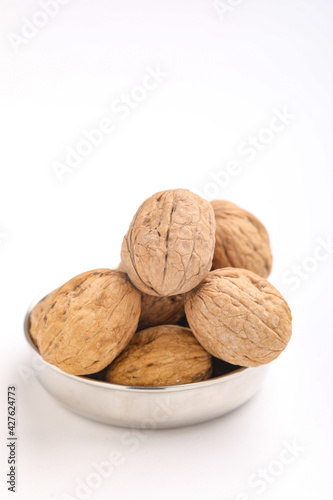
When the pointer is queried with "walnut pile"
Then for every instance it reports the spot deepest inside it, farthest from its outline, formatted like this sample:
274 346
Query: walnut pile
169 246
241 240
188 301
162 355
239 317
88 321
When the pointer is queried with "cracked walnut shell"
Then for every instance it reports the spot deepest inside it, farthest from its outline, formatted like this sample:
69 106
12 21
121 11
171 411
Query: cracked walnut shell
159 356
89 321
241 240
169 246
239 317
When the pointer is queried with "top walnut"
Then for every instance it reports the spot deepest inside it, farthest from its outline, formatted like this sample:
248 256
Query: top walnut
241 240
169 246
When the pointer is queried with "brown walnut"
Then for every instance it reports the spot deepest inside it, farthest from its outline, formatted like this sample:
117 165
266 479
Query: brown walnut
89 321
241 240
160 310
169 246
162 355
239 317
37 312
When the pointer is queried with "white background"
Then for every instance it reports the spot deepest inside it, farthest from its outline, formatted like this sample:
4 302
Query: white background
226 75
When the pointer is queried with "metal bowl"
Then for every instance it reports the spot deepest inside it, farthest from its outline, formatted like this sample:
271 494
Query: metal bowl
145 407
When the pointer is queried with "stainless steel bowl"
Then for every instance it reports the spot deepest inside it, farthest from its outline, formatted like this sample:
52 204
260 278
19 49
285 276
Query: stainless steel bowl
144 407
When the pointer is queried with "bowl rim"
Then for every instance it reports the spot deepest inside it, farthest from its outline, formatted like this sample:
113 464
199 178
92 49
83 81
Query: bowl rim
126 388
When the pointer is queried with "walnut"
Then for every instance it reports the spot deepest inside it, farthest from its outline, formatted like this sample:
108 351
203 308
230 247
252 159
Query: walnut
89 321
169 246
160 310
239 317
241 240
162 355
37 312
